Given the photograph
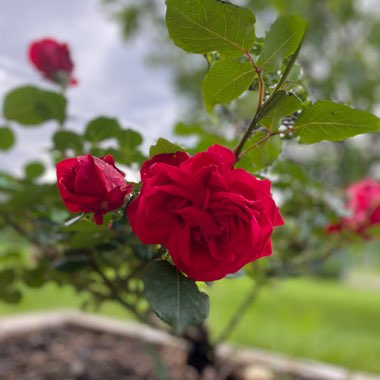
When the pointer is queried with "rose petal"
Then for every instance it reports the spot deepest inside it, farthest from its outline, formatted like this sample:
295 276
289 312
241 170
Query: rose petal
170 159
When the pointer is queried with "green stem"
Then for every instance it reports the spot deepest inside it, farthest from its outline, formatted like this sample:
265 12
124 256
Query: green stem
252 126
287 70
258 71
262 105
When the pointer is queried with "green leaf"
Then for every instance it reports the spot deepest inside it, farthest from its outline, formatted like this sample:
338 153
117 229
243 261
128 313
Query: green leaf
7 138
291 171
31 106
67 140
227 80
84 226
7 277
34 278
203 26
164 146
263 154
287 72
71 263
246 105
34 170
11 296
127 156
282 41
183 129
102 128
129 139
284 104
330 121
174 297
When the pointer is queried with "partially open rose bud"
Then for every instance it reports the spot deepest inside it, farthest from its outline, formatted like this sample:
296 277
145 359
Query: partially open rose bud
91 184
52 59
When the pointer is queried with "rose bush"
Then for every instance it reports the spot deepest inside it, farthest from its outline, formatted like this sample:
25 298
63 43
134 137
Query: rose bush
364 207
212 218
53 60
201 213
91 184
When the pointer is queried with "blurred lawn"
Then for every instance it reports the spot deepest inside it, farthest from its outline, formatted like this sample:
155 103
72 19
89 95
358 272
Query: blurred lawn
306 318
300 317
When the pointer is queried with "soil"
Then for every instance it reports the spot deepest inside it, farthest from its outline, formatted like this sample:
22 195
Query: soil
74 353
71 352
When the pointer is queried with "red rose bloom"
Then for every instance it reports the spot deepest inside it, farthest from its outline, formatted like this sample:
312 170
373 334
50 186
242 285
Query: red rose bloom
364 206
53 60
91 184
212 218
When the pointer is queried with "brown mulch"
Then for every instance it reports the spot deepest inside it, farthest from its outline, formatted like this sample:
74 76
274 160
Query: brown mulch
75 353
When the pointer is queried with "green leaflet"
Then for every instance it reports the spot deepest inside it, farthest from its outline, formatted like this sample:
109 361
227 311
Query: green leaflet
31 106
261 155
102 128
174 297
226 80
7 138
68 140
330 121
282 41
203 26
34 169
164 146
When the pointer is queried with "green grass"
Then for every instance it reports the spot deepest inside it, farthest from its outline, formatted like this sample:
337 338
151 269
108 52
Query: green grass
306 318
301 317
51 297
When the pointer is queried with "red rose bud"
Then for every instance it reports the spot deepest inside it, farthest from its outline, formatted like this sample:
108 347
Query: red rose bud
91 184
363 205
52 59
212 218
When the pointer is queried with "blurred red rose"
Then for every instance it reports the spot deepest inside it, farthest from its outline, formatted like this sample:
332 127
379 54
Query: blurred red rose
91 184
364 207
212 218
52 59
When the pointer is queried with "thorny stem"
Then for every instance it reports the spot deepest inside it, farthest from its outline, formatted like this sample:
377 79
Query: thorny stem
246 136
239 313
260 104
260 78
115 293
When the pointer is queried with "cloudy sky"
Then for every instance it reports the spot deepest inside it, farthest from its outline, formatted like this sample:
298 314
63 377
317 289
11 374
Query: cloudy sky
113 79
